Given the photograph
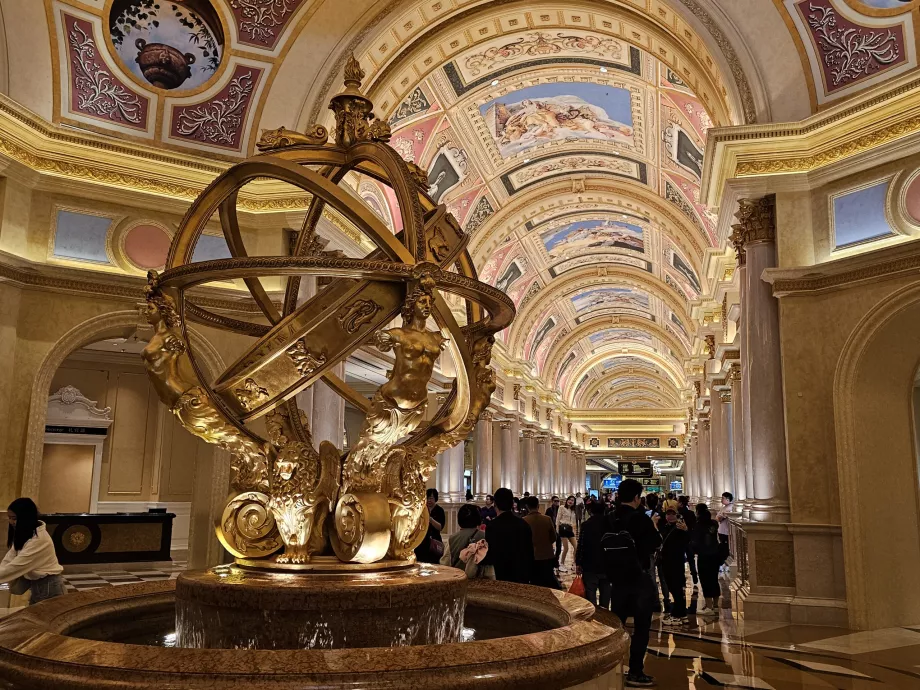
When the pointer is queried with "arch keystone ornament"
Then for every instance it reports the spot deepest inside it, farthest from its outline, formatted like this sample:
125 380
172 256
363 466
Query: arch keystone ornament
293 501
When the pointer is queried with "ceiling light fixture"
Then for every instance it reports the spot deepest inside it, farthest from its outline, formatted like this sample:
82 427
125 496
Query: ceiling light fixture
527 160
495 82
604 70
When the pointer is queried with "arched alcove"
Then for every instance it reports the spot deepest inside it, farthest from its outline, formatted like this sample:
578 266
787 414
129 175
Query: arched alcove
877 463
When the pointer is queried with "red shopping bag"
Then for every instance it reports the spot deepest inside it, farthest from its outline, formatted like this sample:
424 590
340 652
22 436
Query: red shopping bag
578 587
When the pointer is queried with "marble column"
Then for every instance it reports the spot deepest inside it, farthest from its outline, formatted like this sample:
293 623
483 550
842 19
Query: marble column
747 460
454 480
690 468
704 463
497 461
328 414
482 470
580 473
552 457
738 457
543 471
762 363
728 473
529 455
717 446
511 467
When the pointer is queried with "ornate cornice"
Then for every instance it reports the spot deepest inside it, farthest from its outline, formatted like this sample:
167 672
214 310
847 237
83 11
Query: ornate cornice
756 220
128 289
882 116
890 262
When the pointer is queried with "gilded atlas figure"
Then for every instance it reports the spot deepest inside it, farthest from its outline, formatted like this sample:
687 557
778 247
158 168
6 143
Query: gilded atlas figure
397 409
293 504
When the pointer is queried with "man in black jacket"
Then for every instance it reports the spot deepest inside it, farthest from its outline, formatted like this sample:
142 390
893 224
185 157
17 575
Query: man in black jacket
635 597
589 561
510 542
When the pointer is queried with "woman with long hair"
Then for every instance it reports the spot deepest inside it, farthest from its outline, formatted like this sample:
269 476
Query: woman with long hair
565 525
705 540
31 553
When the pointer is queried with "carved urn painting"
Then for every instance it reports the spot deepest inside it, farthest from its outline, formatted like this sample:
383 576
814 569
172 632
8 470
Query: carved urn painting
169 44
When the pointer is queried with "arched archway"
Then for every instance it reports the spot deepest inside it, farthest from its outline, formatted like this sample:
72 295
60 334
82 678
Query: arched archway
874 420
203 546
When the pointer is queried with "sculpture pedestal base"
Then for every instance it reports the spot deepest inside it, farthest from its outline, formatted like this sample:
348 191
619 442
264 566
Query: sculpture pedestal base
236 607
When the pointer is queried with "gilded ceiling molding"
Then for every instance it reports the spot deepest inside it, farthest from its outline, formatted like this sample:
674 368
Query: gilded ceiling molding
675 375
667 390
645 30
731 57
585 278
647 203
584 416
585 329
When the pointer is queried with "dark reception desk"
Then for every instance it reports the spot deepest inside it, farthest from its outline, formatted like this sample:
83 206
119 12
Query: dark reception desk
110 537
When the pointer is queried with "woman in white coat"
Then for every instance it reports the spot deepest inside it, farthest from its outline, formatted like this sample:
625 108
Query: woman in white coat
31 554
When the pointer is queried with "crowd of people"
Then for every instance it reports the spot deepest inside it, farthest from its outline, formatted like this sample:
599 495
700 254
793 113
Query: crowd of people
626 548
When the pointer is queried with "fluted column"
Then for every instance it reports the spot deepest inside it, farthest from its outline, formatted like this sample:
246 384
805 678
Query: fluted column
705 463
529 454
738 457
543 470
328 415
482 471
728 473
507 441
747 460
762 363
515 465
497 455
580 473
455 456
552 455
717 446
690 471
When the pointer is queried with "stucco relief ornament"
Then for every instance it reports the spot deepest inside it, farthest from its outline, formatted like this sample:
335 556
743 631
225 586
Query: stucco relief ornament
218 121
851 53
756 221
97 90
260 19
294 502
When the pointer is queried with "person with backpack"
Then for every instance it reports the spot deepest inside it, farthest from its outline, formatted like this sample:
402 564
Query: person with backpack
628 547
708 558
675 537
589 560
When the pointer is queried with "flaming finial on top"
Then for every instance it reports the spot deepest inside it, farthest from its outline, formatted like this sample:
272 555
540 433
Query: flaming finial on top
353 72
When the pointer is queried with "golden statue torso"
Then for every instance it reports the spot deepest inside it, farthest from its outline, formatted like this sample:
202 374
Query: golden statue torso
416 352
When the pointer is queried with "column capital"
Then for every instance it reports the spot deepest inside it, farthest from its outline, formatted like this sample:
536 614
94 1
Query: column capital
757 219
504 424
734 373
725 396
541 436
485 415
527 433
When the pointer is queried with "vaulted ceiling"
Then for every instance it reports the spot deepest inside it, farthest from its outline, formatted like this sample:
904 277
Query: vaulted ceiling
567 137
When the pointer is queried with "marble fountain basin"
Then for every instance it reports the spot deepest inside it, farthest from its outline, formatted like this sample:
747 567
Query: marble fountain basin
120 637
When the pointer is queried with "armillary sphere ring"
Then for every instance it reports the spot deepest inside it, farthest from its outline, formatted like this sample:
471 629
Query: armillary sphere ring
398 260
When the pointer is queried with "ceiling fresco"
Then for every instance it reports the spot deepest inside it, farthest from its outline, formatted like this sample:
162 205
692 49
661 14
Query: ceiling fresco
535 111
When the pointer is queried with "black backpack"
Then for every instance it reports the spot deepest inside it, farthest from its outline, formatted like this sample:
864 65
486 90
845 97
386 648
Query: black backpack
620 556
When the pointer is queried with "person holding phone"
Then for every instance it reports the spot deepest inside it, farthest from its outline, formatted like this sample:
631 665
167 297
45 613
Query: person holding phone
675 538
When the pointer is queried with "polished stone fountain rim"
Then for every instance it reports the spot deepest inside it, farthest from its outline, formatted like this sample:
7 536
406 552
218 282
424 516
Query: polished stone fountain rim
35 650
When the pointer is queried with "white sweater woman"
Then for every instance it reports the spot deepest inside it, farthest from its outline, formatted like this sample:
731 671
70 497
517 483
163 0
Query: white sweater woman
34 560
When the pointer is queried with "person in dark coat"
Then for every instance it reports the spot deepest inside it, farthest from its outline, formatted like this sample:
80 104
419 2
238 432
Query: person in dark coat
589 561
510 542
708 558
675 536
553 512
636 597
683 509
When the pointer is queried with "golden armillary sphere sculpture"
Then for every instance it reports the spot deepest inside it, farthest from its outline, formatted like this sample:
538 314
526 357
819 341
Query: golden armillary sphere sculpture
284 488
